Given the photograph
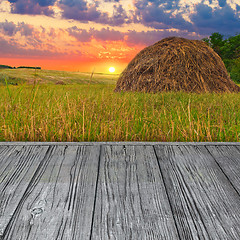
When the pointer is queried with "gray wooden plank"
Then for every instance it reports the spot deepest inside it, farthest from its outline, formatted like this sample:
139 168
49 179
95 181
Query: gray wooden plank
58 203
117 143
228 158
131 199
17 167
205 204
5 151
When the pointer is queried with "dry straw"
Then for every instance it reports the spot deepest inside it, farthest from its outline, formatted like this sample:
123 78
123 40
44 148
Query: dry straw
176 64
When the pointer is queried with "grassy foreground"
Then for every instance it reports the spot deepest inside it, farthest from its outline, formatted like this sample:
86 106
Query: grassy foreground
93 112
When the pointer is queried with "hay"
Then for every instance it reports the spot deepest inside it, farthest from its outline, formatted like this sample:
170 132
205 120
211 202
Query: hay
176 64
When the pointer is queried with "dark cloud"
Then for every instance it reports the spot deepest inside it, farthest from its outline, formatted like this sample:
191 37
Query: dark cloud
12 49
78 4
111 0
45 3
203 11
224 20
131 37
162 14
165 4
80 12
118 18
84 12
10 28
155 14
80 34
222 3
32 7
25 29
105 34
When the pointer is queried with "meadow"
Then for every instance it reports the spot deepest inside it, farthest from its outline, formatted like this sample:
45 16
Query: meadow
62 106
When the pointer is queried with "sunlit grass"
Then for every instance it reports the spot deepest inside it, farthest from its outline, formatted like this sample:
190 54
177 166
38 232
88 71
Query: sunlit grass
30 76
94 112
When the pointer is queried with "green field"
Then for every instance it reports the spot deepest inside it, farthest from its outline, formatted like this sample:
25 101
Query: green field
62 106
30 76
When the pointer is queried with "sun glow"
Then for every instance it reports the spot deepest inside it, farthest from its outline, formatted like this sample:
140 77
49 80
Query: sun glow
111 69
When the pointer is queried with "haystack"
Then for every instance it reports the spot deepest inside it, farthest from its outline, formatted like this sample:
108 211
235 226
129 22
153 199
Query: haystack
176 64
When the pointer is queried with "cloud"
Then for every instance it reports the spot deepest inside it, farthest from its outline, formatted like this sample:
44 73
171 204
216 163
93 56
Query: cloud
10 28
160 14
203 18
12 49
111 0
118 18
222 3
45 3
85 12
80 34
79 10
25 29
32 7
150 37
131 38
79 4
105 34
207 20
202 12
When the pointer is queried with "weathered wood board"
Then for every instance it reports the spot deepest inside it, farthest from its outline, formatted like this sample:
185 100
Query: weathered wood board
228 158
104 191
205 204
17 167
58 203
131 198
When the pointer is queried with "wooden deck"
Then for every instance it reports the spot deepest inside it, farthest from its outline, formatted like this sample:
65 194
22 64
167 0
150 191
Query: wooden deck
119 191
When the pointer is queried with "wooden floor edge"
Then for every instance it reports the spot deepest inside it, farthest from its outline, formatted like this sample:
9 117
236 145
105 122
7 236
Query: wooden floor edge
116 143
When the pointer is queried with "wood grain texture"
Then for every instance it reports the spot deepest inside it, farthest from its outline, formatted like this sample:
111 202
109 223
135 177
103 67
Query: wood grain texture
131 199
228 158
17 167
205 204
58 203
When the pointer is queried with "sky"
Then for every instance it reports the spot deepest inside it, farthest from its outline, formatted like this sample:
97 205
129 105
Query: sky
87 35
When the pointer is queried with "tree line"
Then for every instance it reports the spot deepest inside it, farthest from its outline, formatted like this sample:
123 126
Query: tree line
9 67
229 50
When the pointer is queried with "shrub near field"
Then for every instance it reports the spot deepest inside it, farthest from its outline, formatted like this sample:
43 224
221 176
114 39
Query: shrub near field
95 113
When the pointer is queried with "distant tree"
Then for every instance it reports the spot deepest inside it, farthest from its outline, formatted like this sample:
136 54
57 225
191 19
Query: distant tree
29 67
207 40
235 70
229 51
5 66
231 48
215 41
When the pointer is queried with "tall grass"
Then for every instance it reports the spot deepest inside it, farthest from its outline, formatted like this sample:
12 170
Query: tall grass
96 113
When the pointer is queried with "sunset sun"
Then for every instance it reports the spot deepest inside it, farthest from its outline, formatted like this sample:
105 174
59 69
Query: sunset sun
111 69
